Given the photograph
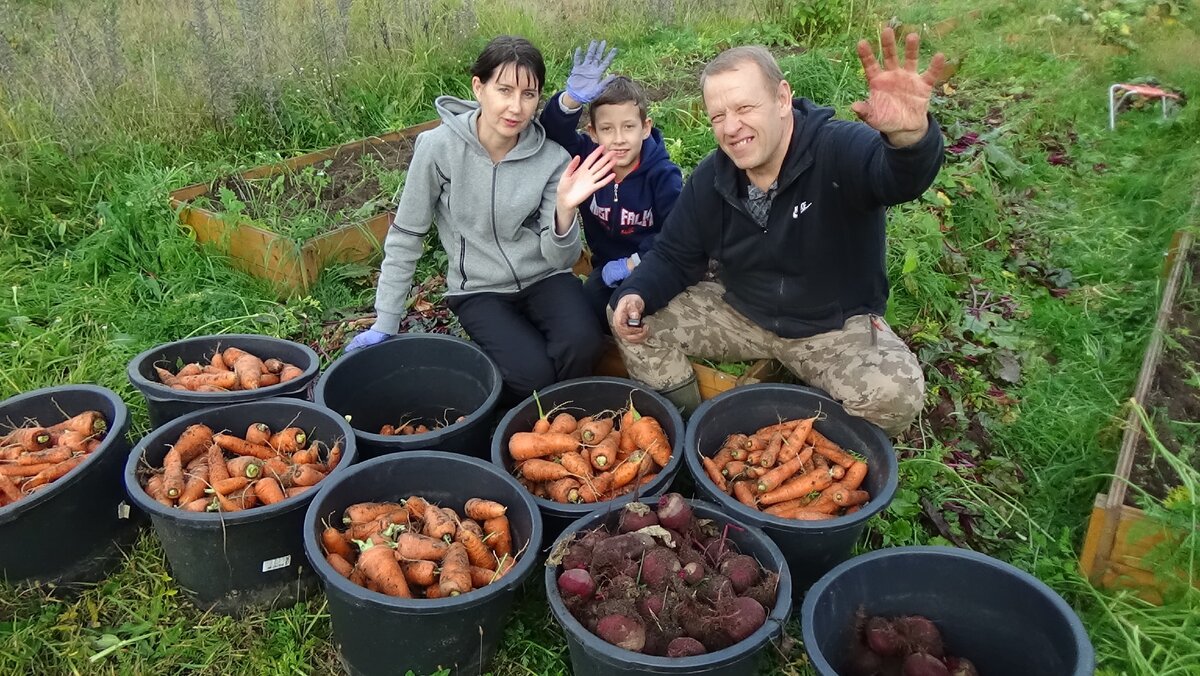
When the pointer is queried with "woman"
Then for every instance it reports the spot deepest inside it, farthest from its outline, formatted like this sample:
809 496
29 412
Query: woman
504 200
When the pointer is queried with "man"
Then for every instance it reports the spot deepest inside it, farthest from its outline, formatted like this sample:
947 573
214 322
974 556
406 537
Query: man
792 204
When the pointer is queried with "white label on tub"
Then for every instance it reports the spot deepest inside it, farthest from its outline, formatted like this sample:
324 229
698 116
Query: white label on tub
274 564
122 510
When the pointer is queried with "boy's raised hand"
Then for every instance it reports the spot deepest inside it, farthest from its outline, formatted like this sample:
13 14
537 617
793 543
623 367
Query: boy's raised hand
587 80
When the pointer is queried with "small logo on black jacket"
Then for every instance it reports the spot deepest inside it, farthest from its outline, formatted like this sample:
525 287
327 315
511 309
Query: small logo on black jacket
800 208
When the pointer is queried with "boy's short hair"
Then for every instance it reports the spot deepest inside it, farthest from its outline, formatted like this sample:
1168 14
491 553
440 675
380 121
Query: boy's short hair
620 90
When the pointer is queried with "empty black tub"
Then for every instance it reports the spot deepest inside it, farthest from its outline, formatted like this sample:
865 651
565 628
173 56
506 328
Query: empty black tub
249 559
585 396
379 634
811 547
423 377
73 529
165 403
1001 618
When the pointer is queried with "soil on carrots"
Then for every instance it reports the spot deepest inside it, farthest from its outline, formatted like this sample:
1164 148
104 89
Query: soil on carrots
352 182
1174 398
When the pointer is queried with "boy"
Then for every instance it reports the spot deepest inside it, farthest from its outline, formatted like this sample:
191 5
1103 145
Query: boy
621 219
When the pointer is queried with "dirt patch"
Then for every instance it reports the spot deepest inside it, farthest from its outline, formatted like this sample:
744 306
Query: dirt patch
351 185
1173 402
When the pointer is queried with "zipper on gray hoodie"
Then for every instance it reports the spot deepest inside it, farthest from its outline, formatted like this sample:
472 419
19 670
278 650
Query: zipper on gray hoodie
495 220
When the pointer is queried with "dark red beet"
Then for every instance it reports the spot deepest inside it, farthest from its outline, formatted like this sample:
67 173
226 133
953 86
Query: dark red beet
659 567
594 537
685 646
863 662
630 519
961 666
674 512
715 588
741 616
924 664
692 573
716 549
882 638
766 591
576 582
651 606
578 556
921 634
623 632
617 550
742 570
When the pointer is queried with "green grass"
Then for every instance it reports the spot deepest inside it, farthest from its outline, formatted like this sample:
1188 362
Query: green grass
95 269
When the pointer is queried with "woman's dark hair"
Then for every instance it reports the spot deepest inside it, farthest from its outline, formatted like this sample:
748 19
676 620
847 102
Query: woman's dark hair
509 49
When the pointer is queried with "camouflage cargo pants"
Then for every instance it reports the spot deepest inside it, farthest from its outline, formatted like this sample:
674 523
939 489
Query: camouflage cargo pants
865 365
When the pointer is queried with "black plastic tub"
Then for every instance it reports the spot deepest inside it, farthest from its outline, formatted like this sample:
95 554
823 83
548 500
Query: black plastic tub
73 530
419 376
593 656
812 548
245 560
379 634
165 404
580 397
1001 618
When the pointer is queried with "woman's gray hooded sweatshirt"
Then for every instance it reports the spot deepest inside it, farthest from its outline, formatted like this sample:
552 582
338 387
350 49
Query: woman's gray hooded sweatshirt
495 220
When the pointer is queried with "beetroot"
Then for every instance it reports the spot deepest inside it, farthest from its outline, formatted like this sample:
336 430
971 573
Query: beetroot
692 573
924 664
636 516
578 556
715 588
863 662
623 632
659 567
961 666
651 607
618 549
882 637
674 512
921 634
742 571
685 646
741 616
576 582
766 592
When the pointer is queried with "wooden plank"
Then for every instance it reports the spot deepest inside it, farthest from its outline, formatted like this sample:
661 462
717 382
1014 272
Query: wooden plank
251 249
711 381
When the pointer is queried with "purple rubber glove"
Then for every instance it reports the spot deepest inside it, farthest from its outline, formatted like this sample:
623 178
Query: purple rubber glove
587 80
614 272
366 339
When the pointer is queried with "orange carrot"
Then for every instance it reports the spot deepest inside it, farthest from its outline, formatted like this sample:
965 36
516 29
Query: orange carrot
420 572
576 464
803 514
340 564
258 433
197 481
836 455
498 537
482 510
723 457
53 473
172 474
29 438
455 577
849 498
477 551
798 437
303 475
224 380
244 497
416 506
88 424
734 469
771 452
482 577
243 466
189 370
194 441
771 480
417 546
9 489
564 490
380 566
439 525
744 494
50 455
272 365
15 471
239 446
363 512
333 457
595 430
543 470
563 423
268 491
276 467
308 456
164 376
335 543
604 455
289 440
290 372
797 487
592 490
650 437
154 488
198 505
855 474
714 474
527 445
249 371
227 486
293 491
629 470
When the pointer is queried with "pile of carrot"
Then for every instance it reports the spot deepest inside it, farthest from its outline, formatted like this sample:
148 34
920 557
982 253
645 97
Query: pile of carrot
589 459
32 457
206 471
229 369
416 549
789 470
410 426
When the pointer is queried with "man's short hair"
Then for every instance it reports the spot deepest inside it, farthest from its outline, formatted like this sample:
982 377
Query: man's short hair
620 90
730 59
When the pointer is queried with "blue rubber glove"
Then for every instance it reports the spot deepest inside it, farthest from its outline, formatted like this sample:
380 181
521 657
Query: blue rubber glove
366 339
587 80
614 272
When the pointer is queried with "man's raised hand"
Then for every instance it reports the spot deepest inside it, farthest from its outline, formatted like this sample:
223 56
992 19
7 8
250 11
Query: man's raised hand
898 96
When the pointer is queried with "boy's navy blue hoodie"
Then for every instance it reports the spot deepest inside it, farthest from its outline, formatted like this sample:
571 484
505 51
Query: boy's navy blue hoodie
621 218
